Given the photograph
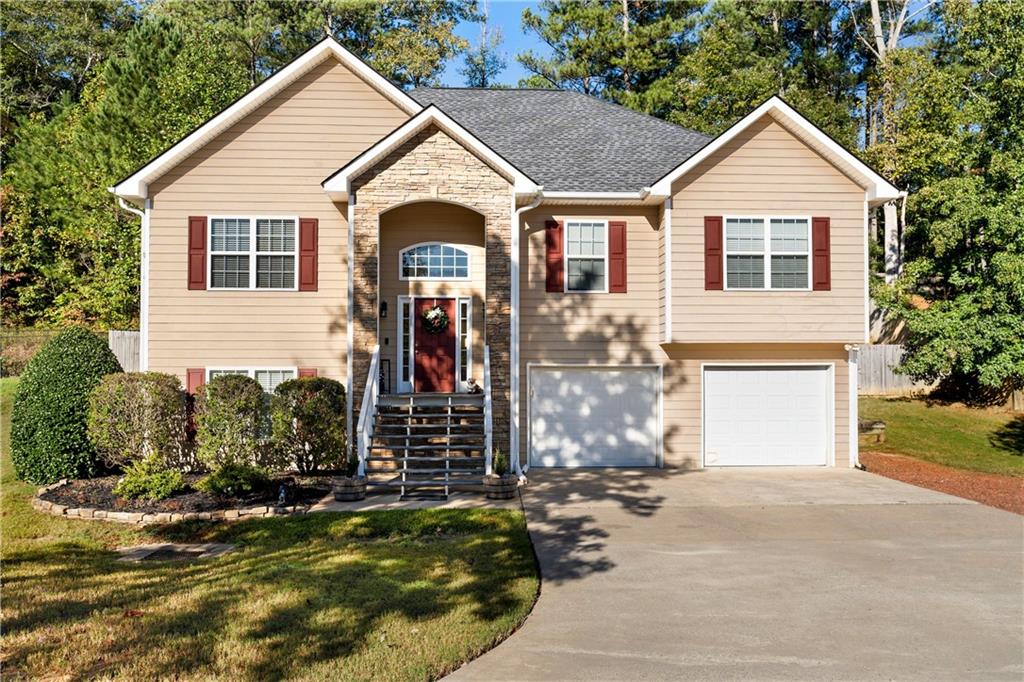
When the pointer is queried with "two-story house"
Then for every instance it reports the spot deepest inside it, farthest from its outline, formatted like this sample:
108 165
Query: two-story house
607 289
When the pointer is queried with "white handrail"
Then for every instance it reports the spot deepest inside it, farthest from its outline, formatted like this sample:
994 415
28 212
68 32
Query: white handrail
488 418
367 412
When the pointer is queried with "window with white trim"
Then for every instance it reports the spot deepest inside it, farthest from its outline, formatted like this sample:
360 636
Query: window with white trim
434 261
269 378
776 259
464 329
405 362
586 255
253 253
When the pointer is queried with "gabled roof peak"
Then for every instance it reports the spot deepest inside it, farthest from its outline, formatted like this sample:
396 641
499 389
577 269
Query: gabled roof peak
136 186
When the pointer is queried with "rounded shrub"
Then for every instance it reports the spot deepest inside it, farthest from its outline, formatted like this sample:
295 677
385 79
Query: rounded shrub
49 439
229 415
136 416
149 479
308 423
235 480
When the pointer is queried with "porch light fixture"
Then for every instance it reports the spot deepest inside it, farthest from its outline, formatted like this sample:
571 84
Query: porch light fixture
383 309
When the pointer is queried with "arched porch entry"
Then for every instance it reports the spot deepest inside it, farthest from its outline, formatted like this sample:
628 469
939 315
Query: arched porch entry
433 264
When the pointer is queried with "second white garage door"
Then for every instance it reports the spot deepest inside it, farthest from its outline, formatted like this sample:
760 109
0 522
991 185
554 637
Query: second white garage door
763 416
594 417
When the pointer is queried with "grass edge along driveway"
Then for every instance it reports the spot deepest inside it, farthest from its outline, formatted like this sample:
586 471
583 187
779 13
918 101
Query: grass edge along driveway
984 440
394 595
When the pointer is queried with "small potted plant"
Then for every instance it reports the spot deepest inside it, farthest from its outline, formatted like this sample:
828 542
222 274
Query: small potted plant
500 484
350 487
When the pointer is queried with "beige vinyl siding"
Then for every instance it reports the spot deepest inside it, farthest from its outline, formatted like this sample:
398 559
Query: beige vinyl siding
270 162
682 391
589 328
431 222
766 170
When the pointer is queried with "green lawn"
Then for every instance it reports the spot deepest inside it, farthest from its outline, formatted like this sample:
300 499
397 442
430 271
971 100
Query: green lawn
398 595
966 438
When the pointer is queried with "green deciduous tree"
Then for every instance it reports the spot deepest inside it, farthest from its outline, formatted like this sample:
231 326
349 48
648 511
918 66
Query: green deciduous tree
69 253
961 152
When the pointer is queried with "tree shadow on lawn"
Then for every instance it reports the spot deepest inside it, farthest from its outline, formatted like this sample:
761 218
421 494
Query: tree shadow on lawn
296 592
1010 436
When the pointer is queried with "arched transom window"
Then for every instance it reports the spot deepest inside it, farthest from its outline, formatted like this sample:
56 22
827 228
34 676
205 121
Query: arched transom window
434 261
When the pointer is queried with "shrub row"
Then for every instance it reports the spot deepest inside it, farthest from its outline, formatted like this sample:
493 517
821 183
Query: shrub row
75 411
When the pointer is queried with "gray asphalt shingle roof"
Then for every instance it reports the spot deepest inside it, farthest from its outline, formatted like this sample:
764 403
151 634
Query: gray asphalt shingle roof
567 141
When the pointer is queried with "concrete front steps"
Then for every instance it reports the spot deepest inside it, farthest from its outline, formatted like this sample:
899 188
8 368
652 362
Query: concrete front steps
426 445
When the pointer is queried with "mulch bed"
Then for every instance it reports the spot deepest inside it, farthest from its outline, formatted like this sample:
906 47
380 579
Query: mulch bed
995 490
98 493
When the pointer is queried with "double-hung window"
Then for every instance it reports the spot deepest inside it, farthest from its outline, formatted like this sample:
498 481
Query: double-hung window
767 253
253 253
269 378
586 255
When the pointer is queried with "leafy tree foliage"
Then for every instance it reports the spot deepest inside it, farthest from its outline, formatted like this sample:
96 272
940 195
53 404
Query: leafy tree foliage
961 151
49 49
484 61
70 254
623 50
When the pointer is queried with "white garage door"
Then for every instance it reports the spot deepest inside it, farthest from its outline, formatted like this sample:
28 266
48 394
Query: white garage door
591 417
759 416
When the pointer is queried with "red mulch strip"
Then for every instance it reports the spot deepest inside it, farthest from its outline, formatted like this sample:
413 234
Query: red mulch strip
995 490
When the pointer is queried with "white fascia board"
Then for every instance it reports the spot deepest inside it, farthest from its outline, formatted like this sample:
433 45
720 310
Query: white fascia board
878 189
339 185
135 187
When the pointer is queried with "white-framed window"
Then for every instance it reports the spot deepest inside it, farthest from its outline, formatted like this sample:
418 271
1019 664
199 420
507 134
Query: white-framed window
586 255
465 350
269 377
253 252
405 356
767 252
433 260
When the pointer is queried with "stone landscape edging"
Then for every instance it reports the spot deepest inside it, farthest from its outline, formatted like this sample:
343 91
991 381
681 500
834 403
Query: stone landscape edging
151 518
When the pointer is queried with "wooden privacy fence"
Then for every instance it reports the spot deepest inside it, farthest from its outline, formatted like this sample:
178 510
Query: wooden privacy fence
125 346
876 376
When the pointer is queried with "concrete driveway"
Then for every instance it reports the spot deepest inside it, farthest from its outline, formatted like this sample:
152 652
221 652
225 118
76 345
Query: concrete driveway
764 574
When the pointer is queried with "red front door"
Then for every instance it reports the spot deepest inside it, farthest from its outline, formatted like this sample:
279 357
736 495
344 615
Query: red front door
434 366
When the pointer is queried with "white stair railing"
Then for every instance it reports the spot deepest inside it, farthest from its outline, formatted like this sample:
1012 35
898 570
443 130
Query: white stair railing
488 411
368 410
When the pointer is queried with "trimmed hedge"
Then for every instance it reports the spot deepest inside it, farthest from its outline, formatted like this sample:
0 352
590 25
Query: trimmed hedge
136 416
308 423
49 439
230 418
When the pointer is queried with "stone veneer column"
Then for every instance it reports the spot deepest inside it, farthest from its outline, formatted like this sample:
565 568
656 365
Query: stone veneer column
431 166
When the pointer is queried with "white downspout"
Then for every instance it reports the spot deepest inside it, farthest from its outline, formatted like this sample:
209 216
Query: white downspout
853 356
143 279
514 324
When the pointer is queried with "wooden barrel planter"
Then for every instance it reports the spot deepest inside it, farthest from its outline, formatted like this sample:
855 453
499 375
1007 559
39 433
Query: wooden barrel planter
349 489
500 487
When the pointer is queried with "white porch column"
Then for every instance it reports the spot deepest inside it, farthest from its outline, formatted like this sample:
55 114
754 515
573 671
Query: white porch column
853 356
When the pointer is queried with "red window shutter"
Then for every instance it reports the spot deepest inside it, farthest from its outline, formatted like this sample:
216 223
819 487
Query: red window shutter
307 372
308 257
713 280
617 257
194 378
555 249
821 245
197 252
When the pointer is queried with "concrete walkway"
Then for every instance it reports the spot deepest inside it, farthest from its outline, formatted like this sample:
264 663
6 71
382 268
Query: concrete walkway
764 574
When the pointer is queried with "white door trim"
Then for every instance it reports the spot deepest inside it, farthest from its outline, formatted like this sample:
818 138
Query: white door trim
530 366
460 386
830 408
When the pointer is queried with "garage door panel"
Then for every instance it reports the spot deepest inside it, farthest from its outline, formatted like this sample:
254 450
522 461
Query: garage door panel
593 417
758 416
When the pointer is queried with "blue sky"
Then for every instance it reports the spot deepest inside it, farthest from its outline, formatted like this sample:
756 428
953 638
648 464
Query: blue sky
506 14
